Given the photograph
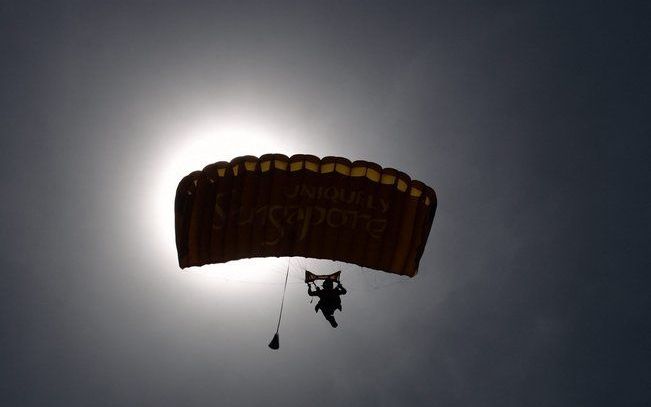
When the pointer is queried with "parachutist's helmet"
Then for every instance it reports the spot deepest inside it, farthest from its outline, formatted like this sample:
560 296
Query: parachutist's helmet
327 284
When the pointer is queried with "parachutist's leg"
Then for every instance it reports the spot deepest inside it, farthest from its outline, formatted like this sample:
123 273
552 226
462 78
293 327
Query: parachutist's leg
332 320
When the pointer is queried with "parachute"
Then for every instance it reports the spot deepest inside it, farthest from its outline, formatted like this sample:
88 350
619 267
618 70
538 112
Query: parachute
329 208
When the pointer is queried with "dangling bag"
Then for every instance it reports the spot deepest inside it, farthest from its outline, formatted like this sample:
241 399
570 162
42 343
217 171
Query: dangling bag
275 343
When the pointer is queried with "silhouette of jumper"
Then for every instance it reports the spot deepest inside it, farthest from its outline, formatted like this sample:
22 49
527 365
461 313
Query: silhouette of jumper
329 299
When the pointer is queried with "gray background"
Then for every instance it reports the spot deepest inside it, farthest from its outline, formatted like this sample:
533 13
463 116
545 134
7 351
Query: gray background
526 117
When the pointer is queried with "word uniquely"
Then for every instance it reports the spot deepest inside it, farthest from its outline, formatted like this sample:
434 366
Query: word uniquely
338 196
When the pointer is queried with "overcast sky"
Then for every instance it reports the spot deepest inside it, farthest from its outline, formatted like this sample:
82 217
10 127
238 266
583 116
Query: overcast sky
526 118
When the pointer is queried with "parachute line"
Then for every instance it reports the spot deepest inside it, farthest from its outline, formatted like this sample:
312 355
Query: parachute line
275 341
282 301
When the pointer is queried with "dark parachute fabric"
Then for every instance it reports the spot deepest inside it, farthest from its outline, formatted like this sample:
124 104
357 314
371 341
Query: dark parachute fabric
329 208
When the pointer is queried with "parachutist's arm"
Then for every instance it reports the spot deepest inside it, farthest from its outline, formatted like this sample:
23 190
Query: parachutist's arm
340 289
310 292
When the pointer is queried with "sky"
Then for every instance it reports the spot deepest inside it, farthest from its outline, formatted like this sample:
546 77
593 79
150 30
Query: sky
527 118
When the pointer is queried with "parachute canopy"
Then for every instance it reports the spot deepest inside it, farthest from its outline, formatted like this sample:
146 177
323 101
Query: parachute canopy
327 208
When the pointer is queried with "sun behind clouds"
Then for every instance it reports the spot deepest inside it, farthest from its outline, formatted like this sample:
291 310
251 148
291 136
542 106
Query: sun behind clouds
195 146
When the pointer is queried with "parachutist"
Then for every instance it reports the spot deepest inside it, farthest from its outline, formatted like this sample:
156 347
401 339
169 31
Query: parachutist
329 299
